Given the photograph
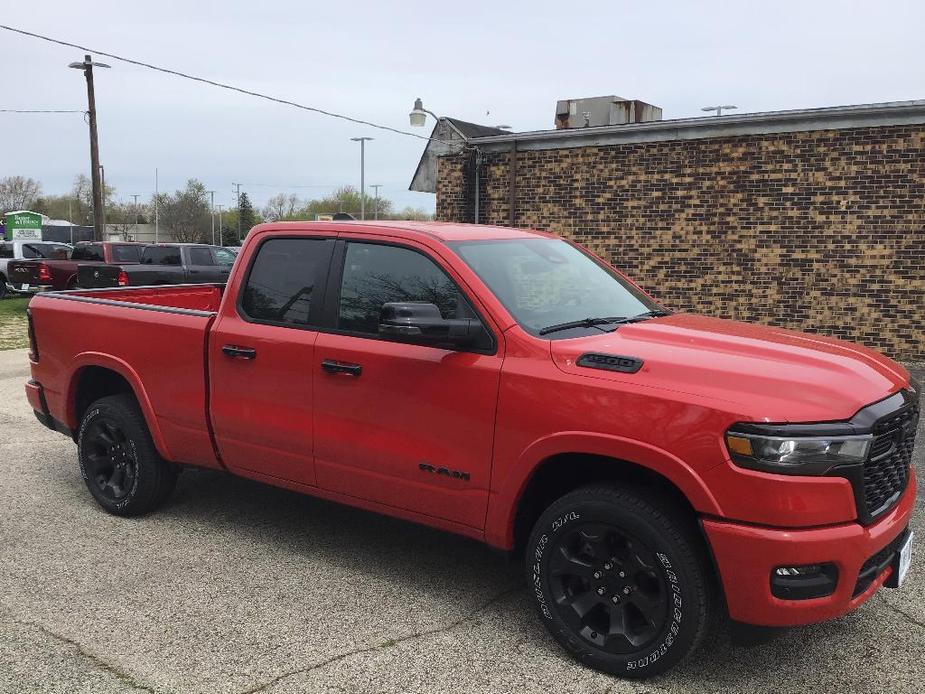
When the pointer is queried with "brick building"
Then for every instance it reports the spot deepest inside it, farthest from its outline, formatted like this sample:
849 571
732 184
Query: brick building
811 219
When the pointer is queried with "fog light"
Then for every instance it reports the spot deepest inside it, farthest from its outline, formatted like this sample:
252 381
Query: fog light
804 582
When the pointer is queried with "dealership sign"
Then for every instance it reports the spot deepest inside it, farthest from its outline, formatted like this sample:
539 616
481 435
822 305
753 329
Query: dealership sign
23 226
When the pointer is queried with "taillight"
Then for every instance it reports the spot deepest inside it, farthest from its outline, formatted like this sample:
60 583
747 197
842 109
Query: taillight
123 278
44 273
33 344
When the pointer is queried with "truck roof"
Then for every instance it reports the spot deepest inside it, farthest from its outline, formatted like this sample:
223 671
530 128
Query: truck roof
440 231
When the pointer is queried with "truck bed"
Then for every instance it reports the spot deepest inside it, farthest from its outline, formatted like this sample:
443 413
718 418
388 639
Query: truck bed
183 297
154 337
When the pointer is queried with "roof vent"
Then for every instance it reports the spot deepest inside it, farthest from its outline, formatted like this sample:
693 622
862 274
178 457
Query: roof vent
603 110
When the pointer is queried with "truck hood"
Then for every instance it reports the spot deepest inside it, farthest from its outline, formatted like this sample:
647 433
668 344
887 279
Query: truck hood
761 373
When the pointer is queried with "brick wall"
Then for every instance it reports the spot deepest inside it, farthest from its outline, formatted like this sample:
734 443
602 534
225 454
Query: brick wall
821 231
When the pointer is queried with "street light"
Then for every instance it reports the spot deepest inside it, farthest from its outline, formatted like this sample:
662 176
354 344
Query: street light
87 66
719 109
135 208
212 214
377 186
362 141
418 115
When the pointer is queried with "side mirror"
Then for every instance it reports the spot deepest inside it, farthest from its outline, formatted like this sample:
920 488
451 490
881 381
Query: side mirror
421 323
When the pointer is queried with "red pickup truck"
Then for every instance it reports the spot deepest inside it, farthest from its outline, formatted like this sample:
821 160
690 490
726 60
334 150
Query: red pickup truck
61 273
654 468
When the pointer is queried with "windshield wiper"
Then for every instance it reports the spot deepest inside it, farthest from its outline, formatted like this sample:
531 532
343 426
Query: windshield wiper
643 316
583 323
594 322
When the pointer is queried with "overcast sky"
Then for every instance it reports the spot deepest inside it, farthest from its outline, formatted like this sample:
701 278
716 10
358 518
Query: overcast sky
488 62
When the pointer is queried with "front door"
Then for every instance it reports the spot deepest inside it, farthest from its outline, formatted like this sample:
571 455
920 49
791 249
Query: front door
261 354
405 425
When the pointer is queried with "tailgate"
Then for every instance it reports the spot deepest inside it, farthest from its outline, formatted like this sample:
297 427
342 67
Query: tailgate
96 276
24 274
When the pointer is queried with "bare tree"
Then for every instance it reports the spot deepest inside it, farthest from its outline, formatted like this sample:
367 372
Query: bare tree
186 212
281 206
18 193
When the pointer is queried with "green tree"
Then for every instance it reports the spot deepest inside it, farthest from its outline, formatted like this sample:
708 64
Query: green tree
246 214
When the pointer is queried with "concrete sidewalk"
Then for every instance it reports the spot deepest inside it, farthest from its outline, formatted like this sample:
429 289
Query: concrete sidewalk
240 587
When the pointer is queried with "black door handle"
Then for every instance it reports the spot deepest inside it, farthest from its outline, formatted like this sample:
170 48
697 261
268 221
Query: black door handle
336 367
239 352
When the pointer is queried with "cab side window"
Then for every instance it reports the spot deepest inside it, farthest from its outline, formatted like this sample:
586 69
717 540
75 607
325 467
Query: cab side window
200 256
375 274
285 280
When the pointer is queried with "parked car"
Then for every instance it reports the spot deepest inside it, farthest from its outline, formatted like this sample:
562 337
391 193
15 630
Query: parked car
654 468
62 273
18 250
176 263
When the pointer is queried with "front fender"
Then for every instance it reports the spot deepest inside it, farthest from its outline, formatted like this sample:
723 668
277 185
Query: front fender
504 501
124 369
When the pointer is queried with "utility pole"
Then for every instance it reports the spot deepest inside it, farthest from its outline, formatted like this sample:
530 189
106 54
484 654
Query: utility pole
377 186
136 215
103 206
212 214
220 227
362 141
98 215
238 198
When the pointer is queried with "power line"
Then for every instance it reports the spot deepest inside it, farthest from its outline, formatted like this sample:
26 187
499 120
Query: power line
287 187
27 110
221 85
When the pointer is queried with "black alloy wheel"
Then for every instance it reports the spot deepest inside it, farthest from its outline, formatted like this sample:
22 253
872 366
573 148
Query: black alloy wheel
620 577
118 459
111 463
609 587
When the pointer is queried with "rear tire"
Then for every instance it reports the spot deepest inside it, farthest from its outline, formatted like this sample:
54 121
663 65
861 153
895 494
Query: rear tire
620 580
4 292
118 460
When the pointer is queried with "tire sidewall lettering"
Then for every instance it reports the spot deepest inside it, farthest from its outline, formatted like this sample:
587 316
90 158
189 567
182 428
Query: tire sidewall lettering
582 649
87 420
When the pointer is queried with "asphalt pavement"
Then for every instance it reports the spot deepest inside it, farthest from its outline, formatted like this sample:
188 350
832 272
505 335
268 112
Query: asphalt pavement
239 587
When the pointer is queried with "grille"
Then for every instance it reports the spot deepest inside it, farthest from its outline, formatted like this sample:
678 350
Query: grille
886 471
877 564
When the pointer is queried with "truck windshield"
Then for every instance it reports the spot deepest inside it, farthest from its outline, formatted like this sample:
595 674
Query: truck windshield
548 282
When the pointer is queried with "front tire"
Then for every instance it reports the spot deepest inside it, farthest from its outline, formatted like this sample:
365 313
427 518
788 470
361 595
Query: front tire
118 460
620 580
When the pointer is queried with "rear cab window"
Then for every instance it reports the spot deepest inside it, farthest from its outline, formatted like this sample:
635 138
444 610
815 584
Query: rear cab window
47 251
91 252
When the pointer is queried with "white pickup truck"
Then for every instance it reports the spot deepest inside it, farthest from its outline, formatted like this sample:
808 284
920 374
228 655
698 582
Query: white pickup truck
24 250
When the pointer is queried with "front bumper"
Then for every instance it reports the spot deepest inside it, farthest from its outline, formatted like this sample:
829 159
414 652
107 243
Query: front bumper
746 555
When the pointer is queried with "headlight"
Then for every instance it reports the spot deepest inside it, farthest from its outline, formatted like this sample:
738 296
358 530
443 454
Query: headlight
796 455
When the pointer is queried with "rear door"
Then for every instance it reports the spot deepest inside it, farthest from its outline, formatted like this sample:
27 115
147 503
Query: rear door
261 352
159 265
201 265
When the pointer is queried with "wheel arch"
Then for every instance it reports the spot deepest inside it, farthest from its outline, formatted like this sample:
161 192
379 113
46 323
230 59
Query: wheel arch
555 466
97 375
